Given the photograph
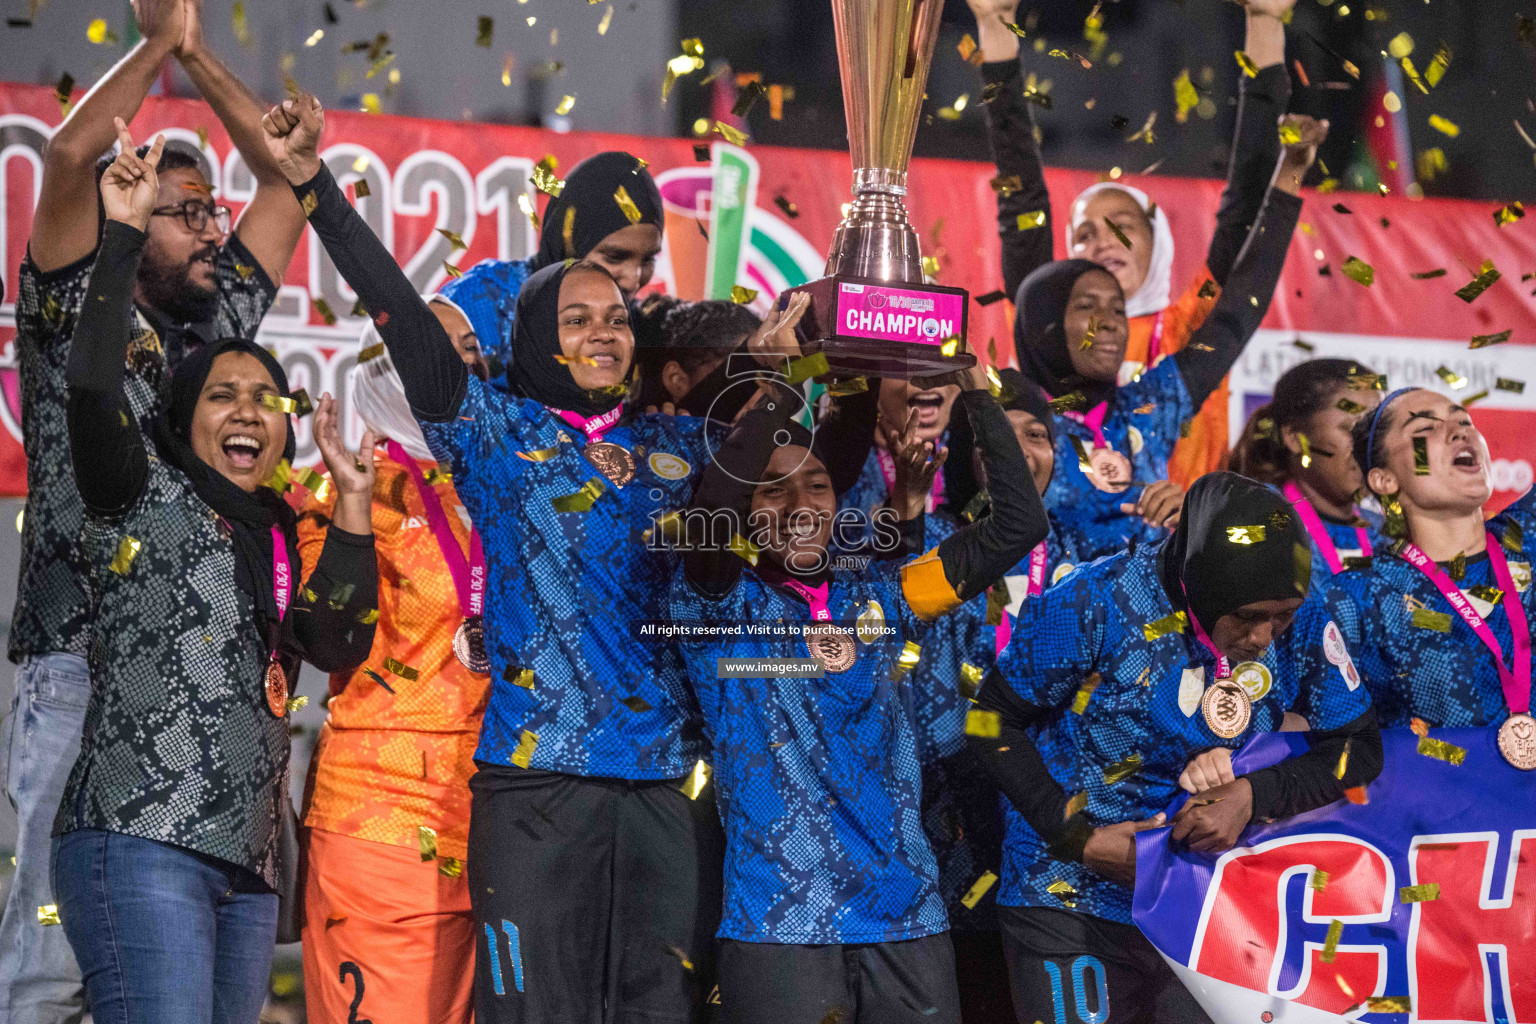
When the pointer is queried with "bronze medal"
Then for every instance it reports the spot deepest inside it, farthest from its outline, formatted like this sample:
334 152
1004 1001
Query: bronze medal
1111 471
277 688
612 460
469 645
1517 741
831 646
1227 708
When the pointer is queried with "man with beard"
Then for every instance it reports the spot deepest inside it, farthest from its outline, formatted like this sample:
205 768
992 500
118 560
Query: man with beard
195 283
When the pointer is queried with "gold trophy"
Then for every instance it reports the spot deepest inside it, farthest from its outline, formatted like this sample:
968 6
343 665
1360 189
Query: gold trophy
872 314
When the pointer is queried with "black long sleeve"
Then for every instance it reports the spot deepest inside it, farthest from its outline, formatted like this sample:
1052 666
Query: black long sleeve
434 376
345 582
105 446
1255 150
1015 764
1245 298
724 494
1307 782
845 435
980 554
1011 134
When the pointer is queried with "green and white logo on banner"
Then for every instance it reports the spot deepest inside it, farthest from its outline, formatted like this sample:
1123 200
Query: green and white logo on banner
733 195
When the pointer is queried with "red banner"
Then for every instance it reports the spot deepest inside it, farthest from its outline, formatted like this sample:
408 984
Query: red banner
468 178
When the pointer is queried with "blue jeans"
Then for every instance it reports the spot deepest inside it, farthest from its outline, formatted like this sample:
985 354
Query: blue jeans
162 933
39 980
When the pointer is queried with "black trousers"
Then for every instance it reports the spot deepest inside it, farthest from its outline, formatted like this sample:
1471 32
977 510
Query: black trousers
1076 969
907 982
596 900
981 972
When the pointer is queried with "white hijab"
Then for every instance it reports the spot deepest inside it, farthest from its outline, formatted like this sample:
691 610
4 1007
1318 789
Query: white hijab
380 396
1155 291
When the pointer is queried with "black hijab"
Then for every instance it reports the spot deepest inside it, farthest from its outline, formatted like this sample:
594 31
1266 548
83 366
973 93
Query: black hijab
1221 574
1040 339
250 516
535 372
589 191
1019 393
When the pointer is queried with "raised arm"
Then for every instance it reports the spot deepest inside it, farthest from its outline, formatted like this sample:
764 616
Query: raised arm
65 226
272 223
1255 142
1245 297
105 445
1011 134
435 377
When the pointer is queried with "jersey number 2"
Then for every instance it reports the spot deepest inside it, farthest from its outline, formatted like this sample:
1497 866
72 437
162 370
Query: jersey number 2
357 995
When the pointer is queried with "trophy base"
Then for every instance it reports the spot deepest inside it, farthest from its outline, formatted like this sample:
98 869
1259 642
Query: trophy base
871 328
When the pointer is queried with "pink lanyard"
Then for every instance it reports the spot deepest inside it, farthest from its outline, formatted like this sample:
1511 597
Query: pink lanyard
1155 343
1036 585
1223 666
468 574
888 471
282 575
816 597
594 427
1319 533
1094 421
1516 684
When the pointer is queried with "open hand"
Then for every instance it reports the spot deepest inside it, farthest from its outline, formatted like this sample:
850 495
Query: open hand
1212 821
350 473
917 462
775 339
293 130
130 186
1211 769
1300 136
1111 850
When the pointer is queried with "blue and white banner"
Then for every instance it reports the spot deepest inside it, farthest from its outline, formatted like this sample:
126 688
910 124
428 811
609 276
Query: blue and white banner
1430 889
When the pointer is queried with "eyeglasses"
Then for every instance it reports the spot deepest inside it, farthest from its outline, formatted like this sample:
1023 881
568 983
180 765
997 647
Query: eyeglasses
195 215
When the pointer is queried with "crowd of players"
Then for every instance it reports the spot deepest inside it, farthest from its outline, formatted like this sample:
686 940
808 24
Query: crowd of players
1034 605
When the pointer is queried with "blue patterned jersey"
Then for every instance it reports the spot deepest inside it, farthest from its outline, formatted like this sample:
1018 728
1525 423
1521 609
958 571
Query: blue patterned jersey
817 779
1436 668
564 587
488 295
1143 424
1346 540
962 816
1146 703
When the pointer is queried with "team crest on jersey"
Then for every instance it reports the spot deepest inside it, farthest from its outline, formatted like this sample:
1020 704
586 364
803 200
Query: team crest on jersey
1061 572
1136 441
669 466
1337 653
1191 689
1254 677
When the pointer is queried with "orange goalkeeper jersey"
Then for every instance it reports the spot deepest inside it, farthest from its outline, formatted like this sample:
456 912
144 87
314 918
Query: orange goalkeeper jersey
396 753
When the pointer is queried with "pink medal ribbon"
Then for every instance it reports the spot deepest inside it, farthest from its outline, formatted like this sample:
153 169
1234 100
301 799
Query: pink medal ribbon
282 575
1319 533
816 597
1034 588
888 471
1517 683
468 574
1094 421
1223 666
593 427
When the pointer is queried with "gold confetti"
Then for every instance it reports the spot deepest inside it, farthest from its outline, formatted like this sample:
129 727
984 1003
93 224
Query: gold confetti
1122 769
626 204
1351 408
740 295
48 914
1425 893
950 346
526 205
127 551
453 271
970 680
451 867
1343 765
931 266
401 670
544 178
731 135
1358 271
1085 693
1331 941
371 103
1437 65
1505 384
638 705
1290 135
1245 534
98 32
1077 803
986 724
485 28
582 500
523 677
568 228
1484 340
277 403
526 745
564 360
1165 626
1400 46
1425 618
1451 377
1032 219
426 842
360 189
806 367
696 780
369 617
315 36
1064 892
1246 63
1509 213
308 203
295 703
454 238
1389 1004
1444 126
240 24
1441 750
1319 880
324 309
978 889
1185 96
564 106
